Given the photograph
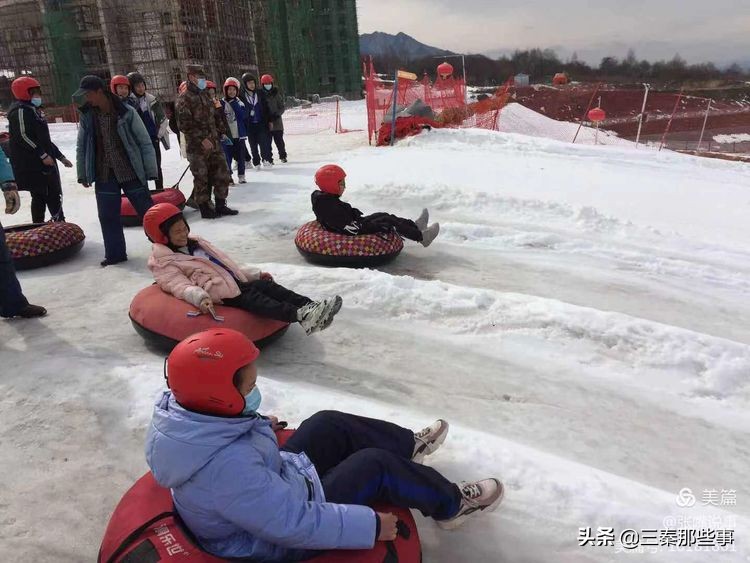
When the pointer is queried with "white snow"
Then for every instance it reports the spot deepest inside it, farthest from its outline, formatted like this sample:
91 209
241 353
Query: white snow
582 321
734 138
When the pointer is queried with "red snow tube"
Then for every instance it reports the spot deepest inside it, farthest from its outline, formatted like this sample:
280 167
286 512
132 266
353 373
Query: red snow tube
145 528
130 218
162 320
34 245
320 246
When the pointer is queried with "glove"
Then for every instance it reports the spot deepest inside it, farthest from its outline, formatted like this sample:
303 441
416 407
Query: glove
226 141
12 199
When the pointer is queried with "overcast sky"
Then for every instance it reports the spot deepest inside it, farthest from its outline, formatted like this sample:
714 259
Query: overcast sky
699 30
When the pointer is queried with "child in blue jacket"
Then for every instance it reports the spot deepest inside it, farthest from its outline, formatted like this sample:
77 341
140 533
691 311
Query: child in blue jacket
236 113
243 497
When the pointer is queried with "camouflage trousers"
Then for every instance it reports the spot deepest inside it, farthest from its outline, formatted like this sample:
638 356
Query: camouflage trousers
209 170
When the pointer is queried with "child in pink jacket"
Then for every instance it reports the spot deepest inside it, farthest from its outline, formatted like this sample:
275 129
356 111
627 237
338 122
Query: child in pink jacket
192 269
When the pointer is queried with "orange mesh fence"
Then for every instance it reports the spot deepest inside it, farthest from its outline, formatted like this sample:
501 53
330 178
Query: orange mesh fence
446 97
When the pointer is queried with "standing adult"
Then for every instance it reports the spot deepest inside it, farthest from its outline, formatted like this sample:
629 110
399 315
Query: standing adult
32 152
257 121
115 153
276 107
196 118
151 111
12 301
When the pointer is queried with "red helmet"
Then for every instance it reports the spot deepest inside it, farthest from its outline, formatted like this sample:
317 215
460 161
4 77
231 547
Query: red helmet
210 84
118 80
155 217
328 177
266 79
182 88
231 81
200 371
445 68
21 87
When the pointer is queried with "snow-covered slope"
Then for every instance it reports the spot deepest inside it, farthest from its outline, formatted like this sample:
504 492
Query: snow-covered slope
582 322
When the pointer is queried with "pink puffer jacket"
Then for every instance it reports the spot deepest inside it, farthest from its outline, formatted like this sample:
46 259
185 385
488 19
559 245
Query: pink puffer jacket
192 278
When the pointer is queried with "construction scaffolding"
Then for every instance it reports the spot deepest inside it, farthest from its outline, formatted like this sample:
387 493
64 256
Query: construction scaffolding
58 41
309 46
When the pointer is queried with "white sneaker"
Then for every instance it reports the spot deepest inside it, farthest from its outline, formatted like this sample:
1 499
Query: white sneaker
242 179
429 439
430 234
478 497
267 163
421 221
336 303
314 316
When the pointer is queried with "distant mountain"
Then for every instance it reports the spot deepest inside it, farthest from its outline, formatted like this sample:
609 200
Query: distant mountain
402 46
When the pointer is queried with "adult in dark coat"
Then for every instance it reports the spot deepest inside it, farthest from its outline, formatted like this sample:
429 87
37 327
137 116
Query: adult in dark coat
32 152
276 107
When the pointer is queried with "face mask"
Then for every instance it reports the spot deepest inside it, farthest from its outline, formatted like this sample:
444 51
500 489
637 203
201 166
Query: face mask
252 401
201 84
268 86
36 101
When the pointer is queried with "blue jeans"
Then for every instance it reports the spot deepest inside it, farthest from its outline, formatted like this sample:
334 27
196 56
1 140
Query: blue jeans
11 296
108 200
366 461
237 150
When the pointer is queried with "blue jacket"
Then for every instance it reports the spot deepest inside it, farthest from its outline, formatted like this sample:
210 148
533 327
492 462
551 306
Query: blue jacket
6 171
236 116
240 495
134 137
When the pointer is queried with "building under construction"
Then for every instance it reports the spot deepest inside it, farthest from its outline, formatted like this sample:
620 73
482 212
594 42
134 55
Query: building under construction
58 41
310 46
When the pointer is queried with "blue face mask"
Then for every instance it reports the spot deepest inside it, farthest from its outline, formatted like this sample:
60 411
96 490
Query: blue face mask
201 84
36 101
252 401
268 86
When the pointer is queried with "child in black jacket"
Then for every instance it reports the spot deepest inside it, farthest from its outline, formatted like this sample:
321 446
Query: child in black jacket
339 217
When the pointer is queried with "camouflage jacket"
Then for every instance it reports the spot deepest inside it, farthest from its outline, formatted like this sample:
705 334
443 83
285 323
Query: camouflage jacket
196 118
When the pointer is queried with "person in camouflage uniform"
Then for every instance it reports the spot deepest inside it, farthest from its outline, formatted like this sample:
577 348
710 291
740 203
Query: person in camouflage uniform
196 119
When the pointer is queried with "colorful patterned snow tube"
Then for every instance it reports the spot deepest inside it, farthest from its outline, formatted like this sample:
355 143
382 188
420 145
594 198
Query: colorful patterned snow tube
332 249
130 218
34 245
145 528
162 320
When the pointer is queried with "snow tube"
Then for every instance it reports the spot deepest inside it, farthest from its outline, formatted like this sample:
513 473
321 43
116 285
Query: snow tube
34 245
130 218
145 528
162 320
332 249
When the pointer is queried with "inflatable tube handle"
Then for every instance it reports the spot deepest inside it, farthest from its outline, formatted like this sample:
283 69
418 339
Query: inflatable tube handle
391 555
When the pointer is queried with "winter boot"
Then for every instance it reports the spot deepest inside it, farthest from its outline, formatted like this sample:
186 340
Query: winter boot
207 212
104 263
32 311
430 234
478 497
242 179
429 439
283 160
421 222
222 209
191 202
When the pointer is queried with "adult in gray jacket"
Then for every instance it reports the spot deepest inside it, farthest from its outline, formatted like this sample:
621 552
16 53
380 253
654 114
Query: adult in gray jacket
114 152
276 109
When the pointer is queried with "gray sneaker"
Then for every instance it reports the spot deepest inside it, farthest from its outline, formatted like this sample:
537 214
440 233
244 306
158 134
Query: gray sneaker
430 234
422 220
478 497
